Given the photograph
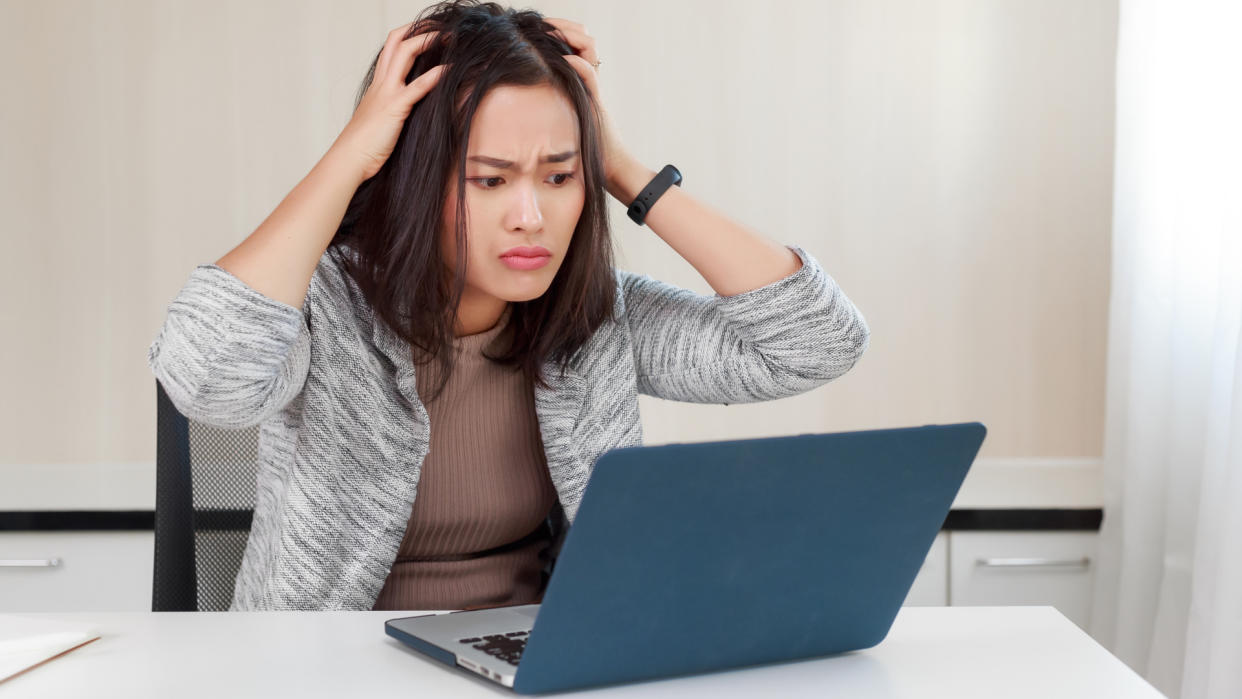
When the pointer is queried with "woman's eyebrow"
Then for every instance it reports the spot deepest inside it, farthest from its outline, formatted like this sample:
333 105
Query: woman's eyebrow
506 164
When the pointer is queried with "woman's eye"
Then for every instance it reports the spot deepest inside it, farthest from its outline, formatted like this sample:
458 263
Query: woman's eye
488 182
565 175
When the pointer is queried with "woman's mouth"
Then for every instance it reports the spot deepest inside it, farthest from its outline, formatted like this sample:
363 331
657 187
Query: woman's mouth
526 257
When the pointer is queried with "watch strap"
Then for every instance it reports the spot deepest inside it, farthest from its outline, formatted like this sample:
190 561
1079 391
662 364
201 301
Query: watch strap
659 184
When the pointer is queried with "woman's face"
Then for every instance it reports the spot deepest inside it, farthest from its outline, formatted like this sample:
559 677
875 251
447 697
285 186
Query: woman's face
524 194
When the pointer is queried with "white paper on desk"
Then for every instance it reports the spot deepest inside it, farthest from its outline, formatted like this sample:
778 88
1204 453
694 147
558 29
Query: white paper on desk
28 641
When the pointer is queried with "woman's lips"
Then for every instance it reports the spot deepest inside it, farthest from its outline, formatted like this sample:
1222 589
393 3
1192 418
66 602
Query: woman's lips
526 257
523 262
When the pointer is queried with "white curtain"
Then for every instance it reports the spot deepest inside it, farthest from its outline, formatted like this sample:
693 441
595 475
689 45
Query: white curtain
1168 597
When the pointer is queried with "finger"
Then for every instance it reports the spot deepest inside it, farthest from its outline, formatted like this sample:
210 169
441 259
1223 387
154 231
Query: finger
420 86
394 38
409 51
565 28
582 44
562 23
586 71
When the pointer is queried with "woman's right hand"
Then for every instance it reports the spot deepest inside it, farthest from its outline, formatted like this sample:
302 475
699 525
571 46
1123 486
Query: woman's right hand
371 134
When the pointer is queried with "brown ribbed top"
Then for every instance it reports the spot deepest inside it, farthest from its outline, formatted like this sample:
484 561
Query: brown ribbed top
484 485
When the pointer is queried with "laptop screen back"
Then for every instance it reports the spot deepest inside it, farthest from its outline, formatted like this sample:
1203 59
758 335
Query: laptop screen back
687 558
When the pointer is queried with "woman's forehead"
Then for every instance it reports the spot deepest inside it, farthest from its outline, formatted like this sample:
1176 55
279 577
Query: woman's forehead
523 124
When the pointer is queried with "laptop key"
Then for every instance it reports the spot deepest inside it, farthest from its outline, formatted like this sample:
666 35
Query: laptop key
507 646
470 640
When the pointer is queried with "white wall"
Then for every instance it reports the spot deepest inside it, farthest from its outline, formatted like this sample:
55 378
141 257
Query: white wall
948 161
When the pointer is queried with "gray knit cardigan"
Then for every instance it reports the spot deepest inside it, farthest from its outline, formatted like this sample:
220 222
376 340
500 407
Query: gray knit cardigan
343 431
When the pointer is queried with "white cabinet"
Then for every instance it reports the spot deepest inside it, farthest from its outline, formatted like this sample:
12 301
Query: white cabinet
1001 568
95 571
112 570
931 586
1023 568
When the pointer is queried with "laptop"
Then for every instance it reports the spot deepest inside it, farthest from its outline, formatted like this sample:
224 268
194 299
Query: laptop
692 558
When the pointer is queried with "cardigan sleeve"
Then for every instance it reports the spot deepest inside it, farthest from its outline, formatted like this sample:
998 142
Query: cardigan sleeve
779 340
227 355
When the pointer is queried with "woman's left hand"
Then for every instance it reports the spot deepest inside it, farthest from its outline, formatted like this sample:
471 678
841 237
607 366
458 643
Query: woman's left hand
584 61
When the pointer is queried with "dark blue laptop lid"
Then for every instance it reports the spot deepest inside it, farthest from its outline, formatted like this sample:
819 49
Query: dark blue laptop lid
686 558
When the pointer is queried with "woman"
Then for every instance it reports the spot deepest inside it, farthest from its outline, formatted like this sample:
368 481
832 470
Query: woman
433 312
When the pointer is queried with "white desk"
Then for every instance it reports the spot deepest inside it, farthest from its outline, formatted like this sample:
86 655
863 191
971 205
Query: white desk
952 652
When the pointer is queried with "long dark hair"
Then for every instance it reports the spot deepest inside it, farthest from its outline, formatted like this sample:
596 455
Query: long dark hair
394 220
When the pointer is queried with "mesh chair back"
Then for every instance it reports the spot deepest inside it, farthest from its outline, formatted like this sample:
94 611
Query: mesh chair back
204 502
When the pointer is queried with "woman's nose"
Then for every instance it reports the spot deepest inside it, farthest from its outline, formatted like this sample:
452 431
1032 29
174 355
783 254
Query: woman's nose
524 212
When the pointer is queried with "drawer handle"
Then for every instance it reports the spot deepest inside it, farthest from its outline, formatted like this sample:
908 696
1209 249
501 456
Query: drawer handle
30 563
1033 562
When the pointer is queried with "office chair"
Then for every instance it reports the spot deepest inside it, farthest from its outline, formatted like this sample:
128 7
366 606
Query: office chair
204 502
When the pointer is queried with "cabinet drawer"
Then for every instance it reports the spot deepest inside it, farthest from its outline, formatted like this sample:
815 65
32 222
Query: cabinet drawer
1024 568
931 586
96 572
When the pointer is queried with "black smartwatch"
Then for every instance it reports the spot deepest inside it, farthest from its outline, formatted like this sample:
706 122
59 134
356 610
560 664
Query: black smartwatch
666 178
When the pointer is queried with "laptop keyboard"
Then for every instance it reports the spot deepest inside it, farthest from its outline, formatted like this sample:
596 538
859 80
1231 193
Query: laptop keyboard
502 646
